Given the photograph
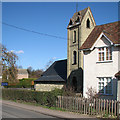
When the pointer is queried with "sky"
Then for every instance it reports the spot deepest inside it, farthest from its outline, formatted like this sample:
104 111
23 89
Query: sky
49 20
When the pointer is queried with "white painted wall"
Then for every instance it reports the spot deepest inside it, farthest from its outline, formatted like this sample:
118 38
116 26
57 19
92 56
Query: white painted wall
94 69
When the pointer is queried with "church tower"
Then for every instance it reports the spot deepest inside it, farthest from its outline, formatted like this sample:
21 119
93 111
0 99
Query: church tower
79 28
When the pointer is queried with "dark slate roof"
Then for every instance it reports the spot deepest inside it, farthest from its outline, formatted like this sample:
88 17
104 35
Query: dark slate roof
111 30
57 72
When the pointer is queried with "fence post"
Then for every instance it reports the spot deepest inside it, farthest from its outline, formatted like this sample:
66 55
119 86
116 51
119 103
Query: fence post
104 106
101 105
118 109
77 104
115 108
112 107
86 105
109 106
89 107
96 106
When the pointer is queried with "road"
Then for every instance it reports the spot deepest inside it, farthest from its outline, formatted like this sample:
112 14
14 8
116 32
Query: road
13 110
9 111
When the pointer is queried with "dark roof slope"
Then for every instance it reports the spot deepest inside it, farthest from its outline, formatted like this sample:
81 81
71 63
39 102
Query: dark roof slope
56 72
111 30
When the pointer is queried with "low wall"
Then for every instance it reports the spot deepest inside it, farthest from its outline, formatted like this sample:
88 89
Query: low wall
47 87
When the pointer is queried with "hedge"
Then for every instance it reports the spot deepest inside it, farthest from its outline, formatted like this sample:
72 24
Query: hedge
42 98
23 83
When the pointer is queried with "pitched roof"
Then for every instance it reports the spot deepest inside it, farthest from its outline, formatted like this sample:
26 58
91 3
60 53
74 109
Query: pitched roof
117 74
22 71
57 72
77 17
111 30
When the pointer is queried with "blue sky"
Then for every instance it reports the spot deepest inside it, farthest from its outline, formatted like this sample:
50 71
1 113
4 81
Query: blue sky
51 18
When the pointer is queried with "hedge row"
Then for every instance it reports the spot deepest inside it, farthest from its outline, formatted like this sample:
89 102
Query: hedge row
42 98
23 83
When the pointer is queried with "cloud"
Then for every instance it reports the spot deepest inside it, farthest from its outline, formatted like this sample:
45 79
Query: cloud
53 58
17 52
20 52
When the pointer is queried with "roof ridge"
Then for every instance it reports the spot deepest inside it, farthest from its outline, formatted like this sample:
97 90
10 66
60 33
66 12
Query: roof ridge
60 60
107 23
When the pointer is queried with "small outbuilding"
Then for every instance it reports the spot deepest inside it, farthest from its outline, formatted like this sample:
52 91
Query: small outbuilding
22 73
54 77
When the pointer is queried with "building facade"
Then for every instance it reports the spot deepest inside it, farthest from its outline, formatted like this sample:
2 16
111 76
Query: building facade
22 73
54 77
79 28
102 61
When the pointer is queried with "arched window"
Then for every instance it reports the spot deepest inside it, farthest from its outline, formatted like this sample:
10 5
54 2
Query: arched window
88 23
74 57
74 39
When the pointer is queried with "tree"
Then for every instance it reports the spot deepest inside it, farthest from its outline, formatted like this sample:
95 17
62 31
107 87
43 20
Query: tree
34 73
48 64
9 65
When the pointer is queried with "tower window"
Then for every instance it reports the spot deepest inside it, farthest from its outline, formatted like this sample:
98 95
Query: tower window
88 23
74 39
74 57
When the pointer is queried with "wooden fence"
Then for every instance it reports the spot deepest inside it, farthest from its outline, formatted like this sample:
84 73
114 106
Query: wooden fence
89 106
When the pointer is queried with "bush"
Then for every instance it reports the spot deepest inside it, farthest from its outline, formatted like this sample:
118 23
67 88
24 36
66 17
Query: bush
42 98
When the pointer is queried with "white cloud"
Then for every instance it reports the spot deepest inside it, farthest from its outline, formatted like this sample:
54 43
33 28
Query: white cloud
17 52
20 52
53 58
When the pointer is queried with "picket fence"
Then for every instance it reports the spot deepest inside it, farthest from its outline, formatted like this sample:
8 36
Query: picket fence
89 106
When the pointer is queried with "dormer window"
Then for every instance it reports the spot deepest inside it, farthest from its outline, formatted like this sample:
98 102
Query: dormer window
78 13
70 23
88 23
78 19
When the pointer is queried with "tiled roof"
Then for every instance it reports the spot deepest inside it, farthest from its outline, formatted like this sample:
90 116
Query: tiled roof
57 72
77 17
22 71
111 30
117 74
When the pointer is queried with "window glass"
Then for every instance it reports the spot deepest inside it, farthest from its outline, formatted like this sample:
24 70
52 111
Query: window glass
74 39
104 54
105 85
74 57
88 23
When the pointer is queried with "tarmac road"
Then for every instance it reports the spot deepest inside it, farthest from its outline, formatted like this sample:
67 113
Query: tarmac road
18 111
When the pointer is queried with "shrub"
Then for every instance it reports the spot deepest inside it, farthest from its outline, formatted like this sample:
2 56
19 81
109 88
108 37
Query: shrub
23 83
42 98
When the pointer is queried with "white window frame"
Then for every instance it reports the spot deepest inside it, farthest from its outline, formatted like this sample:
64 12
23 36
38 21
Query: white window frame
105 83
105 60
